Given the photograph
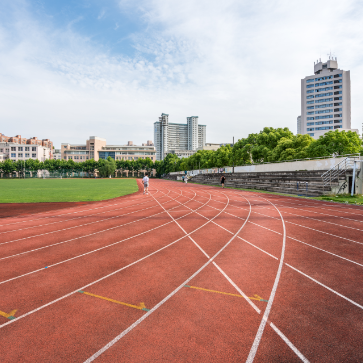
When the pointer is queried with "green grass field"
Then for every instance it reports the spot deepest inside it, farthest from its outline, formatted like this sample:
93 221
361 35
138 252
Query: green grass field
64 190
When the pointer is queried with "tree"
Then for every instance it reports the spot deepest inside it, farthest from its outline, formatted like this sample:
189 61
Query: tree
108 167
291 148
335 142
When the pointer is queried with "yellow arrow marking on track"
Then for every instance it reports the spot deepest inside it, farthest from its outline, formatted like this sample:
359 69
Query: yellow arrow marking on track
140 307
10 315
256 297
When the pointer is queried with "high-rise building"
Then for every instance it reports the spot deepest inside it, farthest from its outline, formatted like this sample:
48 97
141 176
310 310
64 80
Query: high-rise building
325 99
299 125
176 138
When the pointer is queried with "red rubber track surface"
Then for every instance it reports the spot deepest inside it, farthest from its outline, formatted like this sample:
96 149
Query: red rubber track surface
169 276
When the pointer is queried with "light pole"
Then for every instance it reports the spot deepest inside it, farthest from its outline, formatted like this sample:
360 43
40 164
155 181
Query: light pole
233 156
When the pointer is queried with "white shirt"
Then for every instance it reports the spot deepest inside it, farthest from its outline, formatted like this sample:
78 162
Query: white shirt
145 179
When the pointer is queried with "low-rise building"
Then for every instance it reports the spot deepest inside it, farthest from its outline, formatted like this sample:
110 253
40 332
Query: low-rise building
96 148
19 148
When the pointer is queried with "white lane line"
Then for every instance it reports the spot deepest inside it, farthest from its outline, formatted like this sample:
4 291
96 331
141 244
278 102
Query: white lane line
238 289
318 205
320 249
102 278
316 230
292 346
71 219
311 278
326 287
324 214
295 239
84 236
89 252
137 322
68 228
279 333
315 219
288 342
266 314
63 214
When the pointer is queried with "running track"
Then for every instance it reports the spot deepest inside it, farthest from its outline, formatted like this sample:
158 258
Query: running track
189 273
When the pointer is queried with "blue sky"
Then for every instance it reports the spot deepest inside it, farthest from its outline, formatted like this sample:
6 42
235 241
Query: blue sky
72 69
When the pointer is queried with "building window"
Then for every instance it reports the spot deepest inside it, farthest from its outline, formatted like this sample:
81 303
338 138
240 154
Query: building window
34 155
310 134
311 113
324 106
310 129
323 84
323 78
20 155
321 117
338 92
310 97
310 91
338 127
324 111
337 87
310 102
310 118
337 121
323 89
310 86
324 94
310 124
27 148
20 148
13 148
26 155
310 80
338 81
338 98
323 122
324 128
310 107
34 148
13 155
337 75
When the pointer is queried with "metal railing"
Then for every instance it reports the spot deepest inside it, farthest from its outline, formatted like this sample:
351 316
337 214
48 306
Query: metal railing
337 171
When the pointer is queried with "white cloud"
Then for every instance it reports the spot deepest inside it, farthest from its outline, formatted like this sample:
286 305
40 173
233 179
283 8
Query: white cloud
236 64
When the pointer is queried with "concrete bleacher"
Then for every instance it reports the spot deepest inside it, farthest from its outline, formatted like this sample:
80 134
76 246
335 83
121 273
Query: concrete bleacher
281 182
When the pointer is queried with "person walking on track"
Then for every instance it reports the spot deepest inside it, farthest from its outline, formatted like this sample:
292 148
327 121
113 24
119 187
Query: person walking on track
145 180
223 179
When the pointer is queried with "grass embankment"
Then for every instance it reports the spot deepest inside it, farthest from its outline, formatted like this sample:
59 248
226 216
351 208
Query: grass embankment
64 190
342 198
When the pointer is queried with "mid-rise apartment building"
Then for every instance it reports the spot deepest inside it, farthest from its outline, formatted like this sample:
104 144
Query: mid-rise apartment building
180 139
96 148
20 148
325 99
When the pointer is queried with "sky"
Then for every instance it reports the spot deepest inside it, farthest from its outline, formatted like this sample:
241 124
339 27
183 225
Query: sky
70 69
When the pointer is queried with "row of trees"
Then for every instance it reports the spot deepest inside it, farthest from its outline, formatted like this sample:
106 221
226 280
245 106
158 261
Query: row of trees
269 145
104 167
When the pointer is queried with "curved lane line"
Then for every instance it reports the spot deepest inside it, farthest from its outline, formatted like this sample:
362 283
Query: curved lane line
120 336
266 314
